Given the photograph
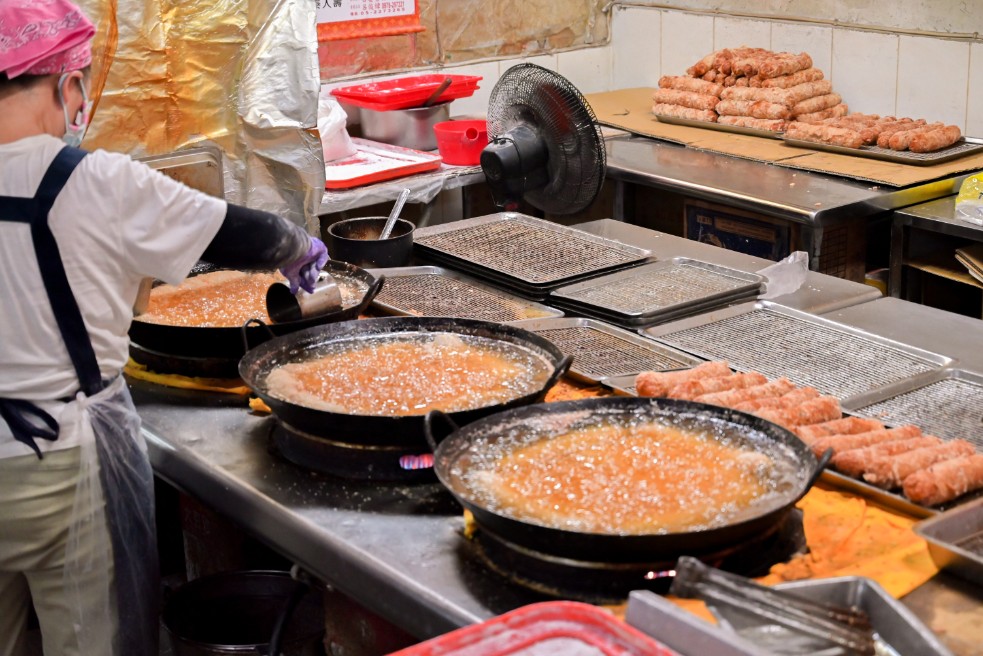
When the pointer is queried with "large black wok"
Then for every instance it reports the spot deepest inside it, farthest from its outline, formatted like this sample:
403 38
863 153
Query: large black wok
226 343
476 446
368 430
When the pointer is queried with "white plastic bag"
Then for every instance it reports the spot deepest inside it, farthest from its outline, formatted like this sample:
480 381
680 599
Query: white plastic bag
969 202
331 121
785 276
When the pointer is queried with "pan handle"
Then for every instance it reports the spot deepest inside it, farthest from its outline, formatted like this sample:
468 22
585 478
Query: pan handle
560 371
428 427
254 322
374 290
823 461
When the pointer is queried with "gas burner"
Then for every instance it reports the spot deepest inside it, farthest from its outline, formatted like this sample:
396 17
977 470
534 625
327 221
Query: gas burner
366 462
610 583
165 363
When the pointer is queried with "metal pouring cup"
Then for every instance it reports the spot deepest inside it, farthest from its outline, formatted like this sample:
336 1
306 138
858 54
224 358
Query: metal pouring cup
284 306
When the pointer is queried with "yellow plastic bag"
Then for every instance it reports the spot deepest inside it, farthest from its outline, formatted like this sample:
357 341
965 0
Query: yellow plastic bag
969 201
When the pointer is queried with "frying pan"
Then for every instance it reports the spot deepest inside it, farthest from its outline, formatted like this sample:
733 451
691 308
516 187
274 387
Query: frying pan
227 342
303 345
476 446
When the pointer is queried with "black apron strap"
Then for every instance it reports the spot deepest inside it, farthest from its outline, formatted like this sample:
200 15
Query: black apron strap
26 420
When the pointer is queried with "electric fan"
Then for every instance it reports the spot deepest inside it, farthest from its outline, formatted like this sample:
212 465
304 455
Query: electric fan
545 147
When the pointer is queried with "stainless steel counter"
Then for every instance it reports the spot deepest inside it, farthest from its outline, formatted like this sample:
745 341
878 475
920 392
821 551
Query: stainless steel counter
803 197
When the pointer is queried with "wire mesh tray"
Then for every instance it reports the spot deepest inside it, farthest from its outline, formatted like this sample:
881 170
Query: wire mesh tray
427 291
968 146
531 251
600 350
719 127
651 290
778 341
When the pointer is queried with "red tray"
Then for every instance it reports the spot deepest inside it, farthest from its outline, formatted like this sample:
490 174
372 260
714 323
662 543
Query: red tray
376 162
406 92
552 627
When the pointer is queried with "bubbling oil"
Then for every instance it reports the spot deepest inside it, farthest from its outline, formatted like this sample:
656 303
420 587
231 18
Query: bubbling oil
410 374
628 477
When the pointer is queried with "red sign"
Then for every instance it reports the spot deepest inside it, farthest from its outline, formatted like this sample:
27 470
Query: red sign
352 19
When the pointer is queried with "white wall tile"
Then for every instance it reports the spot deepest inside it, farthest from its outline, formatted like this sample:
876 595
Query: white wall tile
635 36
865 70
686 39
736 32
815 40
589 69
476 105
932 79
546 61
974 113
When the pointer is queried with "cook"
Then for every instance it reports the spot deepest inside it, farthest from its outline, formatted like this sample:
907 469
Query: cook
78 231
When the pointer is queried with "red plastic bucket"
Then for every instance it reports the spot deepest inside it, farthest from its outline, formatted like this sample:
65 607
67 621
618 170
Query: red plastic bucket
461 142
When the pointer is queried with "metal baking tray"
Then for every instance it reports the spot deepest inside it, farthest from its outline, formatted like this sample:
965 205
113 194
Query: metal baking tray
428 291
530 250
646 322
719 127
652 290
886 498
778 341
947 403
624 385
683 632
968 146
600 350
955 539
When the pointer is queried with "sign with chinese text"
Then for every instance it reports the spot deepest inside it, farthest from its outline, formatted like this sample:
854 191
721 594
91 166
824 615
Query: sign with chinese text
351 19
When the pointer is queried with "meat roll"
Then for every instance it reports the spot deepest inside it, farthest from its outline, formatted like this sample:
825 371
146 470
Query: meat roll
935 140
889 471
814 411
793 80
816 117
783 402
772 125
694 388
817 104
854 462
730 398
678 111
658 383
945 481
824 134
846 442
695 85
682 98
844 426
901 140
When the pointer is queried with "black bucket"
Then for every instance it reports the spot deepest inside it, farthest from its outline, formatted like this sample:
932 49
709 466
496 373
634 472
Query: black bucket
237 612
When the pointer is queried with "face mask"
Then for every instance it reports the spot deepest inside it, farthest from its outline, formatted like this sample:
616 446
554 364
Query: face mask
74 130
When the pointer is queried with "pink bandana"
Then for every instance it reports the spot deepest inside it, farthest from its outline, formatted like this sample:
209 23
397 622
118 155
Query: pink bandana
42 37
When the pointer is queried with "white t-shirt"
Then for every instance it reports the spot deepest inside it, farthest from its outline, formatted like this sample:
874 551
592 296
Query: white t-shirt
115 222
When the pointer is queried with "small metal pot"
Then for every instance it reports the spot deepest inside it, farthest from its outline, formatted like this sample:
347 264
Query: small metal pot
409 128
357 241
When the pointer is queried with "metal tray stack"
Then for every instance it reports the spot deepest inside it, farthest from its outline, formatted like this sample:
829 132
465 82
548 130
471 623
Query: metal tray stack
600 351
427 291
955 540
808 350
658 292
529 256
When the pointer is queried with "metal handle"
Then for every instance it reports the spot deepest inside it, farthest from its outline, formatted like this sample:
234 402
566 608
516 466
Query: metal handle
436 92
823 461
370 295
397 208
561 369
428 427
254 322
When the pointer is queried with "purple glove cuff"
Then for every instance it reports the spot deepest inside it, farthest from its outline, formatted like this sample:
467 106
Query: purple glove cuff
303 273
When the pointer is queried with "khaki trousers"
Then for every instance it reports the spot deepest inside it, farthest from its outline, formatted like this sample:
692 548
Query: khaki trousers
36 502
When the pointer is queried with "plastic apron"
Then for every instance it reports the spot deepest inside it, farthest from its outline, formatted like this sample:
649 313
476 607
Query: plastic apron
112 528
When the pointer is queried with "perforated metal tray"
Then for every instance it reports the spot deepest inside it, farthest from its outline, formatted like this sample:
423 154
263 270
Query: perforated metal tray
955 540
659 288
526 249
600 350
968 146
947 403
427 291
778 341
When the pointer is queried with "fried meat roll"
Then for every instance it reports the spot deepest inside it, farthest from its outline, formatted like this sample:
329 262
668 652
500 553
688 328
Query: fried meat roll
823 134
689 390
665 109
844 426
889 471
684 83
773 125
658 383
753 108
793 80
813 411
730 398
904 124
784 63
780 96
817 104
901 140
700 68
783 402
816 117
945 481
802 92
854 462
935 140
859 440
682 98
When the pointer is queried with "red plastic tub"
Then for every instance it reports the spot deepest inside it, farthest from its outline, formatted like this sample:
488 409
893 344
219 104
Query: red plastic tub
461 142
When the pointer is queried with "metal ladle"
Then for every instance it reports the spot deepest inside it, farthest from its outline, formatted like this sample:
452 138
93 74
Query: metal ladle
391 221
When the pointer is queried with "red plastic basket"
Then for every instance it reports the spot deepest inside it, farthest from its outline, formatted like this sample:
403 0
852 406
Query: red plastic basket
406 92
553 627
